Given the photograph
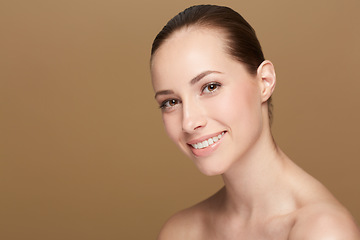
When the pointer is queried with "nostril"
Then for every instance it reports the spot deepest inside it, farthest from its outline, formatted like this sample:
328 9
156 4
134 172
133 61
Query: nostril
197 127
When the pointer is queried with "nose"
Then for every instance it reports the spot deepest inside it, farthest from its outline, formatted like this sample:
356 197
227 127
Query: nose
193 117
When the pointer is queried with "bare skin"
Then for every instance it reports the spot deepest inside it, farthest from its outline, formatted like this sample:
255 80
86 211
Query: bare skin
265 196
299 209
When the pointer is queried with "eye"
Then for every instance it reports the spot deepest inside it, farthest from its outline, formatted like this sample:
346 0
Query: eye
211 87
169 103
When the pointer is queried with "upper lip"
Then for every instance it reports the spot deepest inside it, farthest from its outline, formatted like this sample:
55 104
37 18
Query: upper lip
203 138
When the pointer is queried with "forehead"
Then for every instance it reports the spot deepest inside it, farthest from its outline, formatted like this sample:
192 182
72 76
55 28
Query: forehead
188 52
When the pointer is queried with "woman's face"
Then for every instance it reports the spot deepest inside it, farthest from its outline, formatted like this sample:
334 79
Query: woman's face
211 106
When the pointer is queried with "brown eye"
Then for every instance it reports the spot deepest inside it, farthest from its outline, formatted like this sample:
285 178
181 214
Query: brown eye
169 103
173 102
211 87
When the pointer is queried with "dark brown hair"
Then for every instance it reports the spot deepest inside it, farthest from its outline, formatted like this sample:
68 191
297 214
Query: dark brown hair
242 43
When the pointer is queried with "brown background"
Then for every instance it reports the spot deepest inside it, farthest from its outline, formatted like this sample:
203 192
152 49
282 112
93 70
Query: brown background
83 152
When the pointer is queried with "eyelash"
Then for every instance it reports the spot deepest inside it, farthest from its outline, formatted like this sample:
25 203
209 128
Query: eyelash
176 101
163 104
215 84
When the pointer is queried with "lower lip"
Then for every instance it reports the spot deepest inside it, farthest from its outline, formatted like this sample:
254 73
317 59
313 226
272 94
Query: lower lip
204 152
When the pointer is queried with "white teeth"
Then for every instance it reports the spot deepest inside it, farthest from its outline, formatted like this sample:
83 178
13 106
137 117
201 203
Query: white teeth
208 142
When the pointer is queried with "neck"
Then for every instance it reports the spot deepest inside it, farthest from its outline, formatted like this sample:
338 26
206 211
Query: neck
254 185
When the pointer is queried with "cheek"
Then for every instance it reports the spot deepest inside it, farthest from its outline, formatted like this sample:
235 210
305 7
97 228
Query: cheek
172 125
235 106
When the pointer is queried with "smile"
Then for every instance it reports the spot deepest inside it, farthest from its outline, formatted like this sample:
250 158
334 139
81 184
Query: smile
207 142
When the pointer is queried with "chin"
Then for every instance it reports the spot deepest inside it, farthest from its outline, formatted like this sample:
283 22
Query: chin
209 166
211 173
210 170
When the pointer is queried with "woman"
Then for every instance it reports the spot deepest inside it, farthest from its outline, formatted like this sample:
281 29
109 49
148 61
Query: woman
214 89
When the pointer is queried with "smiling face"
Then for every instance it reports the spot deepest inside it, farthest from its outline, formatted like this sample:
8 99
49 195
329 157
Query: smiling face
212 108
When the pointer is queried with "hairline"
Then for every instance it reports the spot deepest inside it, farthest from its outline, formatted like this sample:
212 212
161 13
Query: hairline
203 25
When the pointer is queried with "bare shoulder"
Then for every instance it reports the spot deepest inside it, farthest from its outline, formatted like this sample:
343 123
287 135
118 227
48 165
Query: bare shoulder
324 221
193 222
186 224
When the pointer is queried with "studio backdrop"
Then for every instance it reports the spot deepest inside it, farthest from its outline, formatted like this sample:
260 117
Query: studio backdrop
83 153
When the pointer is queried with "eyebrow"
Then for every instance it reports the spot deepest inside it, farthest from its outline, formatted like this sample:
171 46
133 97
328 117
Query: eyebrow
192 82
201 76
164 92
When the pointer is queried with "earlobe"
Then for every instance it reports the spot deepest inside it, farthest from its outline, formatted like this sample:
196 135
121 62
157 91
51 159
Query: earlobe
267 79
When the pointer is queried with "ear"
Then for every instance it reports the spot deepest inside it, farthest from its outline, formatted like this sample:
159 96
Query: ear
267 79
